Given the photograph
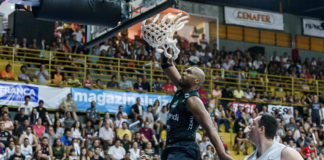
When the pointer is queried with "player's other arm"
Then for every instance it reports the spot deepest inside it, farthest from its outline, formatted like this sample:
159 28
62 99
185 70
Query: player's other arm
170 70
289 153
196 107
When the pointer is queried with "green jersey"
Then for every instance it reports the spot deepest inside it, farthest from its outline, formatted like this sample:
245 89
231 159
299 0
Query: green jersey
181 124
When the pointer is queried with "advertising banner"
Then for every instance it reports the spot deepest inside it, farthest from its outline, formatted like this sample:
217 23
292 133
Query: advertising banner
313 27
254 18
13 94
109 101
236 105
282 109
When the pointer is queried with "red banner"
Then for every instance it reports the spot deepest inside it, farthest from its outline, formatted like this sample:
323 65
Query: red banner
250 106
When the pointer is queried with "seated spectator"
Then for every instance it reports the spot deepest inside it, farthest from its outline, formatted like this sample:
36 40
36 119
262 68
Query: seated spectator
149 150
148 115
67 138
240 140
58 150
87 82
119 120
227 93
308 150
238 93
69 119
139 86
106 134
4 135
124 130
33 140
125 84
288 116
303 140
26 149
134 151
148 133
107 119
240 123
168 87
113 83
97 155
220 117
45 148
17 154
209 153
42 75
74 81
248 94
157 85
121 109
21 117
146 84
98 84
204 143
42 112
24 76
116 151
8 125
28 106
203 95
39 129
93 114
291 125
288 137
6 74
68 104
58 78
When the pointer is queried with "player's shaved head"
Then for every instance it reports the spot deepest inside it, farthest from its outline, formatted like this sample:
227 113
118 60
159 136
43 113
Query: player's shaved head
200 75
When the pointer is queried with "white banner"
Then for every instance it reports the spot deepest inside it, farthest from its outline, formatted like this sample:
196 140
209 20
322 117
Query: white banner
13 94
282 109
313 27
254 18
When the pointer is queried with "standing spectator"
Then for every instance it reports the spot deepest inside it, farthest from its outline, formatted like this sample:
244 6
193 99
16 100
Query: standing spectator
106 134
23 76
28 106
26 149
41 110
6 74
137 110
87 82
116 151
42 75
168 87
314 110
93 114
68 104
113 83
125 84
157 86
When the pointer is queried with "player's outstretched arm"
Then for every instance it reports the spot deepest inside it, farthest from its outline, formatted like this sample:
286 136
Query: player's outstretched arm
170 70
289 153
197 108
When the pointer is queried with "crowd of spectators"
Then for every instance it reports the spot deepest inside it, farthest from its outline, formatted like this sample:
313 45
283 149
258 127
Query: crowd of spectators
141 134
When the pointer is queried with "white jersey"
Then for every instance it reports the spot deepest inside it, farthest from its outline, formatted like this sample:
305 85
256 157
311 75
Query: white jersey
272 153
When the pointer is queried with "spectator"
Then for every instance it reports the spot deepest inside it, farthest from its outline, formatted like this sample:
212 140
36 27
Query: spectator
308 150
76 130
137 110
220 117
67 138
45 148
6 74
33 140
125 84
116 151
203 95
240 123
98 84
39 129
238 93
4 135
68 105
121 110
69 119
288 138
168 87
26 149
241 140
148 115
124 130
106 134
148 133
119 120
288 116
134 151
17 154
138 86
58 150
28 106
21 117
58 78
157 86
315 110
203 145
93 114
87 82
41 110
8 125
42 75
113 83
146 84
23 76
74 81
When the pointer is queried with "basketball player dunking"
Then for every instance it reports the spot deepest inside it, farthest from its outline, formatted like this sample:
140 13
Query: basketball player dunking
186 113
261 133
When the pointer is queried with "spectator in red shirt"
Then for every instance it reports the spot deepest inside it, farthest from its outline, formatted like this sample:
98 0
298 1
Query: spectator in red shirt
308 150
203 95
148 133
87 83
168 87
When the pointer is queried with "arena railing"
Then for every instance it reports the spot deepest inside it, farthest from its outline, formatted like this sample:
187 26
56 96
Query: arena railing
104 67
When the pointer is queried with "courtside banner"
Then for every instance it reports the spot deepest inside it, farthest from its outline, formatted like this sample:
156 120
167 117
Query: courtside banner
254 18
13 94
249 106
282 109
108 101
313 27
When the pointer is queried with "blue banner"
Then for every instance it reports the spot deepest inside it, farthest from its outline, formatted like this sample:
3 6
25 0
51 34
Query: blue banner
17 92
109 101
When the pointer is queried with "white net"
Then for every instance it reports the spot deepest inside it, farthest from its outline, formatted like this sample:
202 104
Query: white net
159 33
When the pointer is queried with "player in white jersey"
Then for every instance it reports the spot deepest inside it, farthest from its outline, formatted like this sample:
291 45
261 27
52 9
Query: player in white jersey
261 133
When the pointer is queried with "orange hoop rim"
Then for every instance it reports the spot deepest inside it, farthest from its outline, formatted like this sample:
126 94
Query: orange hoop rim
173 10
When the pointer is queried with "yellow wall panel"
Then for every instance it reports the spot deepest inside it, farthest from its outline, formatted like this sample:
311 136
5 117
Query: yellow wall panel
317 44
221 29
267 37
283 39
251 35
234 33
302 42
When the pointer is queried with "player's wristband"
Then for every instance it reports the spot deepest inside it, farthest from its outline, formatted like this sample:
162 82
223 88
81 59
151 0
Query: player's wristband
165 63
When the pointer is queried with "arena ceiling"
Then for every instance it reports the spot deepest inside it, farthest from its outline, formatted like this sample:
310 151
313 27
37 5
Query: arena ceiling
308 8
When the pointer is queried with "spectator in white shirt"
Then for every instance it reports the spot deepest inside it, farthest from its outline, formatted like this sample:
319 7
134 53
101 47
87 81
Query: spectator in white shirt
287 116
121 109
42 75
194 59
28 106
26 149
106 134
134 151
116 151
248 94
257 63
105 46
203 42
119 121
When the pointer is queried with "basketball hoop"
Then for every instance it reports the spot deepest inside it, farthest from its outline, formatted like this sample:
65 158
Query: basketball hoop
158 31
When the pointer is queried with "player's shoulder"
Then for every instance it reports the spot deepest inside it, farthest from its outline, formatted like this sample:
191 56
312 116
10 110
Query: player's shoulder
194 101
290 153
